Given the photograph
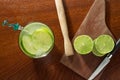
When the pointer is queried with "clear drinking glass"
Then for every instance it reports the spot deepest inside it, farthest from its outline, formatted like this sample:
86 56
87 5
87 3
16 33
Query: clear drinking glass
34 38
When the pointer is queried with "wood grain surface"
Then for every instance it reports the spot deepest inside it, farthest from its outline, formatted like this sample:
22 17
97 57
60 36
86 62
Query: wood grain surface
14 65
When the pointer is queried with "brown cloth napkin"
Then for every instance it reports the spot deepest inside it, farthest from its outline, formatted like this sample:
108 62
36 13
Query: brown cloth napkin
93 25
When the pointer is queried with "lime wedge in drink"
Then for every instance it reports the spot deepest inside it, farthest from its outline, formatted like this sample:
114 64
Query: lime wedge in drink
28 45
103 45
42 40
83 44
36 40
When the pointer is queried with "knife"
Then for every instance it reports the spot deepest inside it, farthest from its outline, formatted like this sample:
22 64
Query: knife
105 61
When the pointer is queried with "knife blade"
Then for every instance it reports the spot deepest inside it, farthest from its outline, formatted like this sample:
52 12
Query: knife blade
105 61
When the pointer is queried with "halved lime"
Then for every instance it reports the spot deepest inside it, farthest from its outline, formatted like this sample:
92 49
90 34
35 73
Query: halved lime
103 45
83 44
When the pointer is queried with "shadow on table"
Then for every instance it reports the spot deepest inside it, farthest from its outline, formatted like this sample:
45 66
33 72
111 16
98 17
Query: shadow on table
45 67
50 68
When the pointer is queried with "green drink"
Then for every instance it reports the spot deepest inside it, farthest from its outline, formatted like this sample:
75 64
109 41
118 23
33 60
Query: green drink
36 40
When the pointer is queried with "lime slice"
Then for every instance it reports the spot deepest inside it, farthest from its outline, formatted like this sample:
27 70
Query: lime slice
28 45
103 45
42 40
83 44
46 29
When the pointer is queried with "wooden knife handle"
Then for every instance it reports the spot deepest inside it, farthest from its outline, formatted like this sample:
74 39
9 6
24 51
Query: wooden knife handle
63 25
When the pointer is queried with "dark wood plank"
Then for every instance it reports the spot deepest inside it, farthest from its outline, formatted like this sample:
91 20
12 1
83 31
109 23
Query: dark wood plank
14 65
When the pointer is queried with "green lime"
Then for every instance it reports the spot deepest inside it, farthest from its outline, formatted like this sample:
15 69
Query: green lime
28 45
42 40
103 45
83 44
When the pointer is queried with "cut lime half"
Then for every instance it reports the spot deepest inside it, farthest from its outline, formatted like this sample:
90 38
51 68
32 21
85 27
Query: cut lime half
103 45
83 44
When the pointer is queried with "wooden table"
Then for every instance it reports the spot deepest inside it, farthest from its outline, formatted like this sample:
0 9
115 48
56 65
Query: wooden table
14 65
